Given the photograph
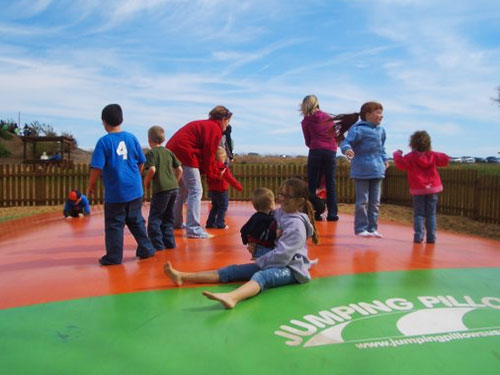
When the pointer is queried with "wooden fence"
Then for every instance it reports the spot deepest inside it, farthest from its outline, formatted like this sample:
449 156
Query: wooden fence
466 193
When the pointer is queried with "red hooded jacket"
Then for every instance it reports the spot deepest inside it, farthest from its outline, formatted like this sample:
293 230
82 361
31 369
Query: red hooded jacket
195 144
224 179
423 176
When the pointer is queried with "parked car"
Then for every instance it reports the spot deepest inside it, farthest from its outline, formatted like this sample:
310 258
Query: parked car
468 159
492 159
480 160
456 160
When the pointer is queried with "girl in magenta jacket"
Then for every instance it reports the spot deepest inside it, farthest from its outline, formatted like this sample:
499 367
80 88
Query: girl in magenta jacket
425 183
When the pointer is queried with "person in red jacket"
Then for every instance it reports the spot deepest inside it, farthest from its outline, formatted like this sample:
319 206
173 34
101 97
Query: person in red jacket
217 191
194 145
425 183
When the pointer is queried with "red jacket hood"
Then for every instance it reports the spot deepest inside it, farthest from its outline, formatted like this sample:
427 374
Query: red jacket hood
425 159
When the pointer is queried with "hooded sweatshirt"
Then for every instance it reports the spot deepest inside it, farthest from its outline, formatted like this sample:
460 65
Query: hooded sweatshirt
291 249
367 141
423 176
317 131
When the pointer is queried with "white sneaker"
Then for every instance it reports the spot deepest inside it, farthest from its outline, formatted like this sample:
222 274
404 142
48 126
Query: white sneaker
376 234
364 234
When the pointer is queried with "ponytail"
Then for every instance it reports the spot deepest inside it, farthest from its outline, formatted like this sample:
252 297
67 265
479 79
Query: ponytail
341 124
310 213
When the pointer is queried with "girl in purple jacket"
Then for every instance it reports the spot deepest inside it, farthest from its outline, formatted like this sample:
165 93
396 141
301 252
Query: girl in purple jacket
424 181
322 132
287 263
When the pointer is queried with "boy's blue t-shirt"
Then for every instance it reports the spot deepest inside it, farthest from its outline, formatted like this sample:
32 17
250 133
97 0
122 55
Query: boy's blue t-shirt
118 156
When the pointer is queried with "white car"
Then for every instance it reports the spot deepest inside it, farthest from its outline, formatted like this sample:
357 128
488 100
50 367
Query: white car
456 160
468 159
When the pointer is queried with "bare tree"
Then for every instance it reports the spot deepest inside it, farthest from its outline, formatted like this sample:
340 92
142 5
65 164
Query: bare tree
497 99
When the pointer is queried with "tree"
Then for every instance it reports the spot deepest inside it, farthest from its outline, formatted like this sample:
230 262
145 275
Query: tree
497 99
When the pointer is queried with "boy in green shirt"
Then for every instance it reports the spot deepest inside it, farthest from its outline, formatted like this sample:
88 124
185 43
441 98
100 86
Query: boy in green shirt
165 170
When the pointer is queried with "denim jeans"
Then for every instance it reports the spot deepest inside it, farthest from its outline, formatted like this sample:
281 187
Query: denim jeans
190 191
161 219
424 209
217 214
116 216
260 250
367 204
266 278
323 163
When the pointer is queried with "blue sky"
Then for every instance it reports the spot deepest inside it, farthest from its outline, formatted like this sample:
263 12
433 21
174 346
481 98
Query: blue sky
433 64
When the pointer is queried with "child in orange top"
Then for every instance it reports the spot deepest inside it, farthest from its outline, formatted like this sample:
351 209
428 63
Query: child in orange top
217 191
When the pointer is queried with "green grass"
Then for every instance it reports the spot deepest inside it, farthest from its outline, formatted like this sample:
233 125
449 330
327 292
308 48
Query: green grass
482 168
4 153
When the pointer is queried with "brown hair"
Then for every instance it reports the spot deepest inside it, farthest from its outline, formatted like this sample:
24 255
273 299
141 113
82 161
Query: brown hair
341 124
219 112
420 141
299 189
156 134
369 107
262 199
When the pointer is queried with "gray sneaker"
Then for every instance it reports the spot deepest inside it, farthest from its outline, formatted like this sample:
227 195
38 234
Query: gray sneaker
364 234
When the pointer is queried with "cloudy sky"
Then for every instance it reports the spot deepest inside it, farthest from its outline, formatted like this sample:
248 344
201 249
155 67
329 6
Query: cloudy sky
433 64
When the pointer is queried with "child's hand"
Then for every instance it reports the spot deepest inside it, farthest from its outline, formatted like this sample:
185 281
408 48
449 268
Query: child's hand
279 232
350 154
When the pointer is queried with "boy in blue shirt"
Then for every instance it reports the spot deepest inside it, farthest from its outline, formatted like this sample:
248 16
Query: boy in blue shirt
119 159
77 205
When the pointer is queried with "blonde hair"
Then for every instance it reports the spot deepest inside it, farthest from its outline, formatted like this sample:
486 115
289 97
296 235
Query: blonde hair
220 151
309 105
262 199
299 189
156 134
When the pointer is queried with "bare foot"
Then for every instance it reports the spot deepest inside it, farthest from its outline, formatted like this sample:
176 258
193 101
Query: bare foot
173 274
223 298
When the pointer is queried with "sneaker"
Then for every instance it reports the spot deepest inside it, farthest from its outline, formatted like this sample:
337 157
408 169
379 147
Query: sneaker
200 236
333 218
182 226
364 234
146 256
209 226
376 234
223 227
104 262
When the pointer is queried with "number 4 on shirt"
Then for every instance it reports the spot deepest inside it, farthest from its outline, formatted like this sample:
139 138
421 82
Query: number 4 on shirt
122 150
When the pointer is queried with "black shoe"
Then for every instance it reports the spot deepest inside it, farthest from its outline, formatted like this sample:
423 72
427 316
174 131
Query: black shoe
334 218
209 226
146 256
104 262
318 218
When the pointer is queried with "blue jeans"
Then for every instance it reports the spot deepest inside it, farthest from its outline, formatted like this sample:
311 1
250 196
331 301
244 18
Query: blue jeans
161 219
367 204
424 209
190 191
260 250
266 278
217 215
323 163
116 216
